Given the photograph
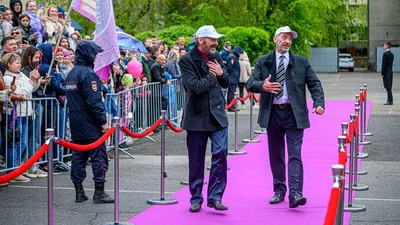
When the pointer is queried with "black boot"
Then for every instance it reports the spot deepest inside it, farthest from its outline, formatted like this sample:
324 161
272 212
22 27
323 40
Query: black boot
100 196
80 193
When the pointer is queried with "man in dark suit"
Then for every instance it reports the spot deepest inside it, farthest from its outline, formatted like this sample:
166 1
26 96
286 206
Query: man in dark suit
387 72
281 77
204 116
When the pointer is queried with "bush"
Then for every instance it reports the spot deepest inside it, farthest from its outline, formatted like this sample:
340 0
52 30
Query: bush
171 34
254 41
144 35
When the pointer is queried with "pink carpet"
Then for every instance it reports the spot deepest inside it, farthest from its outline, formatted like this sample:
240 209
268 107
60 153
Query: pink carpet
250 182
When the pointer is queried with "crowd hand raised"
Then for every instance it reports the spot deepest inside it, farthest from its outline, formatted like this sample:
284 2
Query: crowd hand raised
105 127
34 75
168 83
215 68
272 87
12 89
319 110
25 45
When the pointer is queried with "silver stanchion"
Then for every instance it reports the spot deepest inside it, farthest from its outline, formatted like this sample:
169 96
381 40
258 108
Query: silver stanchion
338 180
236 151
162 200
262 131
362 141
50 194
364 132
116 176
251 139
349 207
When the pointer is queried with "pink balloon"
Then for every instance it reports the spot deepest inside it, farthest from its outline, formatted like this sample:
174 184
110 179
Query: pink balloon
135 68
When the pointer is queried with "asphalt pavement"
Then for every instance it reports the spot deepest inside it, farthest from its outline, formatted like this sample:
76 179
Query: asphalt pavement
26 203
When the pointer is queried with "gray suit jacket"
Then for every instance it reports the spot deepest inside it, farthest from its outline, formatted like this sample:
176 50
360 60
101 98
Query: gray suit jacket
299 74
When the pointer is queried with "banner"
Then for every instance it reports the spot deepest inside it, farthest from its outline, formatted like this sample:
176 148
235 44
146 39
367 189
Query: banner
86 7
106 38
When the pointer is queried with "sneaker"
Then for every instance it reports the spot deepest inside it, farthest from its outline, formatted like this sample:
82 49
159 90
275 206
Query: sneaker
21 179
30 174
40 173
243 106
256 106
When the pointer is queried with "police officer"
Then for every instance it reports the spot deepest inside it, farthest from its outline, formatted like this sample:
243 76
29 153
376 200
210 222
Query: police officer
233 69
88 121
204 117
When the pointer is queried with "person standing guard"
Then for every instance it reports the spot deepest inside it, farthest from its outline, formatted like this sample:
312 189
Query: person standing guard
204 116
387 72
281 77
87 121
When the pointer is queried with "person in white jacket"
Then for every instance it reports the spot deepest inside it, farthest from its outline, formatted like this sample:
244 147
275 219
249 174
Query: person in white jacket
18 116
245 72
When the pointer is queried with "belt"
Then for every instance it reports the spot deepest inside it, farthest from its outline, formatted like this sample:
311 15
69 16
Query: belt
282 106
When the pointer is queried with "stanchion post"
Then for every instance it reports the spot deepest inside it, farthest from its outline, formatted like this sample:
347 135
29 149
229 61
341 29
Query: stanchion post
362 115
364 132
116 122
338 179
236 151
251 139
162 200
50 194
350 207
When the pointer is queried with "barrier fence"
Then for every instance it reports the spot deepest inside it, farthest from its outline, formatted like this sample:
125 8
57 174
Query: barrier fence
353 135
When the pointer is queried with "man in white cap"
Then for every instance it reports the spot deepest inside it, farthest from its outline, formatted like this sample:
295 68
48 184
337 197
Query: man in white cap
281 77
204 117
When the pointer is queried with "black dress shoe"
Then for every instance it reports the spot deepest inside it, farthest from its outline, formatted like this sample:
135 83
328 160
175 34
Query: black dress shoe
277 198
217 205
388 103
296 201
195 207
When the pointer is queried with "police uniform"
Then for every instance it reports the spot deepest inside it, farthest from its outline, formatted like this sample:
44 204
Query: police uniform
87 115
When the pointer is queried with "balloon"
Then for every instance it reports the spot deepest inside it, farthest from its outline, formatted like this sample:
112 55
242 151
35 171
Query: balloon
135 68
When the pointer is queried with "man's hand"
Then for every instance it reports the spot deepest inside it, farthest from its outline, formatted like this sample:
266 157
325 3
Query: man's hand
215 68
319 110
168 83
272 87
105 127
24 45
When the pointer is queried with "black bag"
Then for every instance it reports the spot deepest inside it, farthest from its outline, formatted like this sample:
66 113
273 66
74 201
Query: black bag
14 133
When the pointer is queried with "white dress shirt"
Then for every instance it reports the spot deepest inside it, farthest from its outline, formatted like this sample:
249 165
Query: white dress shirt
285 97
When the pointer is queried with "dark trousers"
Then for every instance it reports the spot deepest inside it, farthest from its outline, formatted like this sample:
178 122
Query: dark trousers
197 143
282 122
389 95
241 91
98 159
231 94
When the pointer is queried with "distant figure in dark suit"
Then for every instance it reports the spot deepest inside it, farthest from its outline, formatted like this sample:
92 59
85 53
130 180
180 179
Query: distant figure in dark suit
387 72
281 78
204 117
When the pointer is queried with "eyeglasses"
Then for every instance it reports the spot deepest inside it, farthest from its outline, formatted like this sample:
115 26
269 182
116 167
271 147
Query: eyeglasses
15 33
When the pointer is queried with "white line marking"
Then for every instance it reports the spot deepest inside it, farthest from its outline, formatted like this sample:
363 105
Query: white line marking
390 111
378 199
68 188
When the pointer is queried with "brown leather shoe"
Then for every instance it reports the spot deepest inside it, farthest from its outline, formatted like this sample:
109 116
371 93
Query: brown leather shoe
195 207
217 205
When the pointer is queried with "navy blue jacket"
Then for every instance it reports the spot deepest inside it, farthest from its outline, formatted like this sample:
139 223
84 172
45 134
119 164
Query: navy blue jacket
83 86
233 65
56 86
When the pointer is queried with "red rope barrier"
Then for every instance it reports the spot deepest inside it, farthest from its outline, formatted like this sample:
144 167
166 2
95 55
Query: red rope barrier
231 104
255 98
365 94
245 98
144 133
342 158
23 168
87 147
332 207
361 99
350 132
173 128
356 125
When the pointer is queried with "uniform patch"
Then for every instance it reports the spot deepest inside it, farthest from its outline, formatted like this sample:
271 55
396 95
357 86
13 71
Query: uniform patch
94 86
71 86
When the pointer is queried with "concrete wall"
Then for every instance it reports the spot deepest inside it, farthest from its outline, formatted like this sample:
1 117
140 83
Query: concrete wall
396 62
384 25
324 60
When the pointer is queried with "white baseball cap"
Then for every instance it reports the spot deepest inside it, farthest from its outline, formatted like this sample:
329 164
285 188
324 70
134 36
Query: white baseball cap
285 29
208 31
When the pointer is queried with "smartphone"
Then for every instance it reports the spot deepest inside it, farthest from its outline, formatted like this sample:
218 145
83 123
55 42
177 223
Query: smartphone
36 65
13 81
2 8
25 40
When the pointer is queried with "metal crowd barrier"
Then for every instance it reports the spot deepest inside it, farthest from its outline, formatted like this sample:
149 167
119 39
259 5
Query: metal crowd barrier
23 129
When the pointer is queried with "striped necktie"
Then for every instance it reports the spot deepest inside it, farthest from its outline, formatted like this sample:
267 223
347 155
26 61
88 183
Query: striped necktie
280 77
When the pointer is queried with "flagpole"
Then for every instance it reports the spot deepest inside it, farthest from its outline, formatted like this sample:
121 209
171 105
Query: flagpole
58 41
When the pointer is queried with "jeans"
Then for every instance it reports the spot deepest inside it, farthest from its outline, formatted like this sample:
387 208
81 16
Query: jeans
15 151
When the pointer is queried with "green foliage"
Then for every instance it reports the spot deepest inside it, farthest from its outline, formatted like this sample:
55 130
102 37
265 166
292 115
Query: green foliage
144 35
254 41
171 34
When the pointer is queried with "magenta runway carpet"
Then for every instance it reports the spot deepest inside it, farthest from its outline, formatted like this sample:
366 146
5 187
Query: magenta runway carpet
250 182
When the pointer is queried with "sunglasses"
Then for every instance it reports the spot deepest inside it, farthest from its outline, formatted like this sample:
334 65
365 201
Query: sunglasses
15 33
